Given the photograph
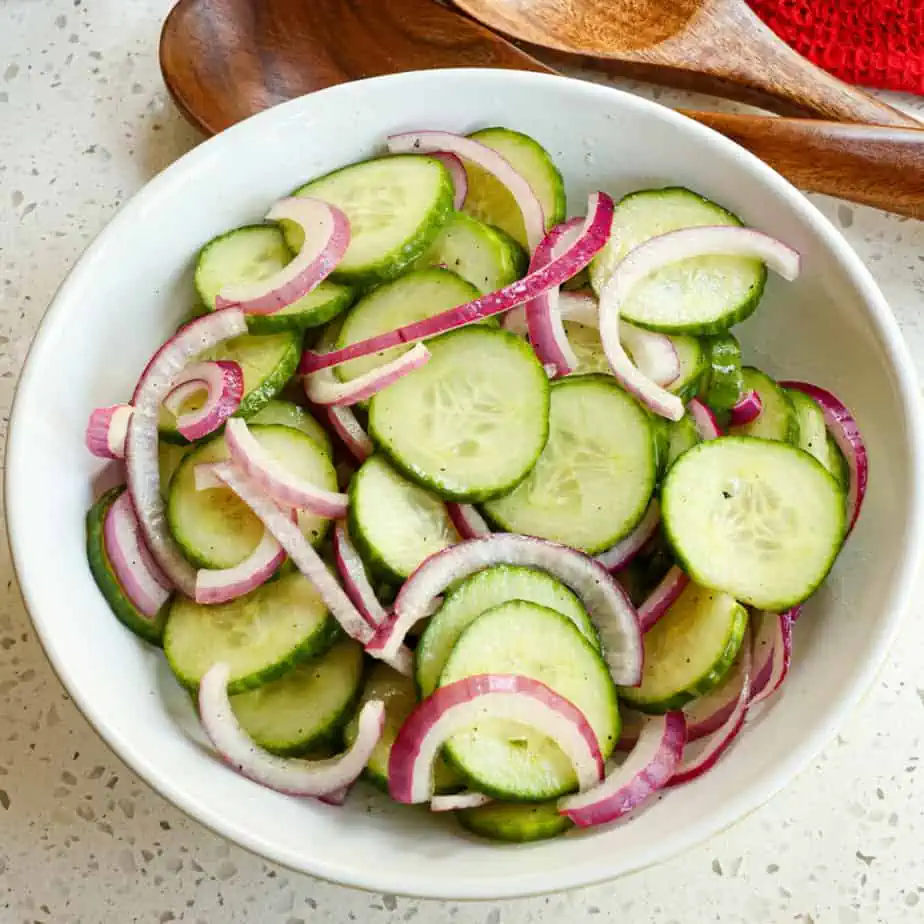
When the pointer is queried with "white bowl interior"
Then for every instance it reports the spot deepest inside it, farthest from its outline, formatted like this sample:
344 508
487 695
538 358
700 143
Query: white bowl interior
132 288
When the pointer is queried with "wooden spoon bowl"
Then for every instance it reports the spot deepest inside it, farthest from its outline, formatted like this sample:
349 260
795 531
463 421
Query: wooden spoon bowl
224 60
719 46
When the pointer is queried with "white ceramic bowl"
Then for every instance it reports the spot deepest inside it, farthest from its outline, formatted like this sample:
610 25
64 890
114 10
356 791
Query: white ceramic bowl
133 286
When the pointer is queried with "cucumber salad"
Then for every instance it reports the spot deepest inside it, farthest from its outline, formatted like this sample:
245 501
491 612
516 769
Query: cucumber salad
445 490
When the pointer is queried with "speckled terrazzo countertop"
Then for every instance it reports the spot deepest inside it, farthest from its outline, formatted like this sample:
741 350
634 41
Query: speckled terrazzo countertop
84 122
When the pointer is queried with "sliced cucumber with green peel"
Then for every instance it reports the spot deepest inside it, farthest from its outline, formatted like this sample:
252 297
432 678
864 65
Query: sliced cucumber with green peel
215 528
595 477
778 419
813 434
396 206
515 822
290 414
308 705
507 760
395 523
682 435
151 630
472 422
267 362
758 519
484 256
260 635
489 201
688 650
416 295
256 252
169 457
694 363
480 593
703 295
723 382
398 693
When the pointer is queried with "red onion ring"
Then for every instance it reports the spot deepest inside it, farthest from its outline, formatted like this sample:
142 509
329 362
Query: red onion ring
219 585
106 431
223 380
326 238
706 425
617 557
746 409
344 423
469 523
355 579
591 240
662 598
459 177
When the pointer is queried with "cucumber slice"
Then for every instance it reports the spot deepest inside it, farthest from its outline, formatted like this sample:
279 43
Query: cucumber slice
480 593
260 635
490 202
308 705
661 434
151 630
413 297
688 650
267 361
395 524
400 698
515 822
510 761
215 528
256 252
778 419
595 477
759 519
473 421
723 383
585 341
290 414
396 206
169 457
484 256
705 295
682 435
814 437
694 362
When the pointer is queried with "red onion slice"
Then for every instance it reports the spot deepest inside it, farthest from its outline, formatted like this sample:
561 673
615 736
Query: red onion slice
593 236
654 354
490 161
843 428
706 425
272 476
223 380
648 768
354 577
106 431
617 557
662 598
746 409
459 800
772 654
219 585
707 714
324 389
460 705
145 585
344 423
715 745
289 775
309 563
603 598
326 237
543 318
469 523
459 177
141 444
661 251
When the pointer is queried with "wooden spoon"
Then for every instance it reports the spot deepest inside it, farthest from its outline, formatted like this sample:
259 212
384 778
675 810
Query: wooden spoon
224 60
717 46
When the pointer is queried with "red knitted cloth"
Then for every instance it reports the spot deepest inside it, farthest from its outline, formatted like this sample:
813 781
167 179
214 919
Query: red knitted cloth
878 43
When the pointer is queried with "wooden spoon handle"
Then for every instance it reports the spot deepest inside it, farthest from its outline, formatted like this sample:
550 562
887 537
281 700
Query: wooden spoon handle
869 164
728 41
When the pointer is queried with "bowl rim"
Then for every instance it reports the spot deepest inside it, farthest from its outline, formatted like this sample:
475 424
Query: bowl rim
735 807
